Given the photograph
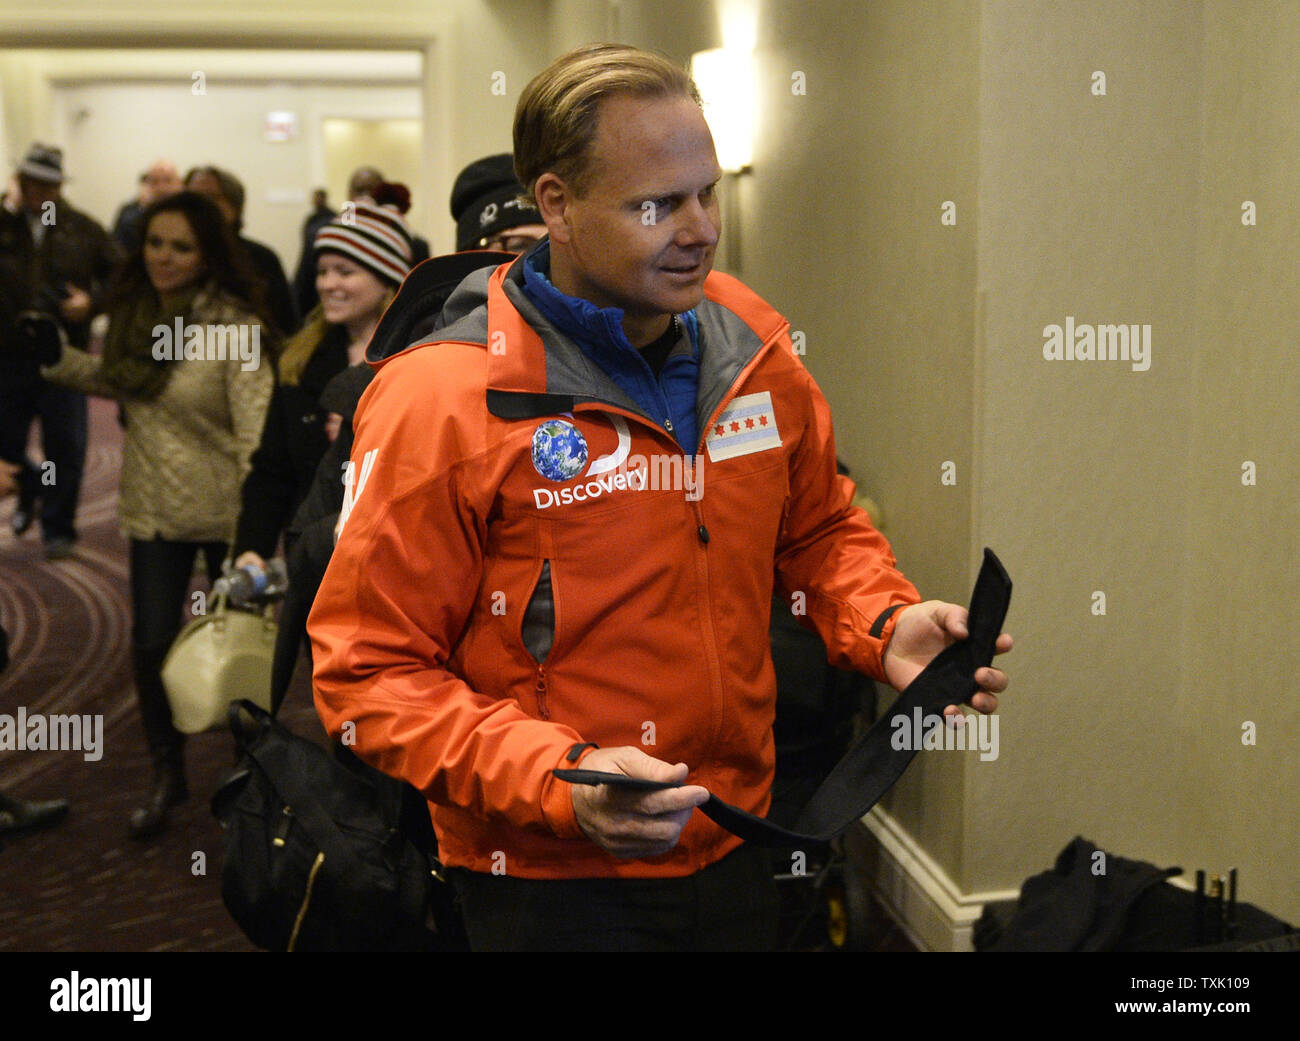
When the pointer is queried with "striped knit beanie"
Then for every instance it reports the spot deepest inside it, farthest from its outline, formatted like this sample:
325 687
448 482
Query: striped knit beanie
375 237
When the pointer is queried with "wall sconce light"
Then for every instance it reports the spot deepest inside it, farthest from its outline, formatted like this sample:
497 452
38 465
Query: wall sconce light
727 87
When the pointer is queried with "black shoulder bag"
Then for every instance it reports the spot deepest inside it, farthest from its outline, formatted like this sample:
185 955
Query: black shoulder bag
325 853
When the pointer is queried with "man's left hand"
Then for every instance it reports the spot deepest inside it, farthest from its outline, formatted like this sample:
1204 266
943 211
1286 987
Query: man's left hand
925 629
75 307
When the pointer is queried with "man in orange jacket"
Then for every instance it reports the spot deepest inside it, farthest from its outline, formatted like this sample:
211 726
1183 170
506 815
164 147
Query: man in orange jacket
566 511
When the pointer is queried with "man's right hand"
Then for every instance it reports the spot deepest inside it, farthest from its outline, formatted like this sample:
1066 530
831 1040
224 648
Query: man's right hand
629 823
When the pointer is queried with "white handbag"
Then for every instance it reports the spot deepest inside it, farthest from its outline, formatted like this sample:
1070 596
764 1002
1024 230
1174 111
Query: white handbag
218 658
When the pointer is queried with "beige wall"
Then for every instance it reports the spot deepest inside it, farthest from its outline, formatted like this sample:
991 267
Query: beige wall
1088 209
1241 560
391 144
1126 208
112 131
677 28
26 100
1085 477
492 42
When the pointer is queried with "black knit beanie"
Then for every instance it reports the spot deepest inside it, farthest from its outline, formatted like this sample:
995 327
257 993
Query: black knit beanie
485 200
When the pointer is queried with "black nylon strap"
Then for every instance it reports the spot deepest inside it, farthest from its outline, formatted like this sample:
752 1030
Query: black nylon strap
870 767
574 752
878 626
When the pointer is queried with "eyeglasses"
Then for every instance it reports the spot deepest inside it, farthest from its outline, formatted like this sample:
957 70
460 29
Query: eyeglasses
508 243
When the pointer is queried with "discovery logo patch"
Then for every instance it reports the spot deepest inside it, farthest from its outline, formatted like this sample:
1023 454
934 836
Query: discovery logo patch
559 450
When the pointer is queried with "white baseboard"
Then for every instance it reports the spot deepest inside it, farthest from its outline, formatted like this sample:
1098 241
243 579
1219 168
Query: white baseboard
931 910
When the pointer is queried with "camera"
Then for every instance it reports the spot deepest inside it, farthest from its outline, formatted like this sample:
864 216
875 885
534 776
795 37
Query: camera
35 334
40 336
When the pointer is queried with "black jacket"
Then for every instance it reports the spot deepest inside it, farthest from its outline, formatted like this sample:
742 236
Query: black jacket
304 277
75 249
270 275
293 442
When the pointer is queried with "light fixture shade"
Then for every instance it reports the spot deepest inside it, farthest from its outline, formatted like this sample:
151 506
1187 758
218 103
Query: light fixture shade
726 82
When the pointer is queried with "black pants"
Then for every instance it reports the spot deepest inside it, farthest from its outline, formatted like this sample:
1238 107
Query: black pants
306 557
160 577
729 906
63 437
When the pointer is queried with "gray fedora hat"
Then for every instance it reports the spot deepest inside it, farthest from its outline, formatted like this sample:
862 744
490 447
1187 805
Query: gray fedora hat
43 163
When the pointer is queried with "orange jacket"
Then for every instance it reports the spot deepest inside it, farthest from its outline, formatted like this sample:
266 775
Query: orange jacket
469 476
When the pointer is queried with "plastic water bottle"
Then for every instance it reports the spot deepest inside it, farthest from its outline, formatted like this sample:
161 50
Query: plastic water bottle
251 583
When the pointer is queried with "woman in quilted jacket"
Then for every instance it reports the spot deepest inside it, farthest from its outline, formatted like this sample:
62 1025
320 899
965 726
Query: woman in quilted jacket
189 357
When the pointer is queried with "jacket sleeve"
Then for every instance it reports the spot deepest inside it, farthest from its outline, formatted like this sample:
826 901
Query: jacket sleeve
80 371
325 496
400 588
267 496
248 393
830 551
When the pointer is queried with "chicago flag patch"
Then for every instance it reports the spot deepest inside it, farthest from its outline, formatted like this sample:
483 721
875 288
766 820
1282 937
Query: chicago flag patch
747 425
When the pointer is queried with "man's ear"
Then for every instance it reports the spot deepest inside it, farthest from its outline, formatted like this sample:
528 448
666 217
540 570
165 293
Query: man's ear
553 197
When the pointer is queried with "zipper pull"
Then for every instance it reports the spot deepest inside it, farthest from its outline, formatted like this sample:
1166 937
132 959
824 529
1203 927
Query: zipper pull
701 530
542 709
282 833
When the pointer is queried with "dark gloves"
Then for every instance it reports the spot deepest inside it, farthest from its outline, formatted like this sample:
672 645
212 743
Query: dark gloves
41 335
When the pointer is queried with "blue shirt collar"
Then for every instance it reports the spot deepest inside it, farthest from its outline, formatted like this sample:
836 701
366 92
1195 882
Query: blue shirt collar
579 319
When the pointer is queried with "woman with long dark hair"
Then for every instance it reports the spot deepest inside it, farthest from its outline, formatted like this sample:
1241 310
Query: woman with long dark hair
190 360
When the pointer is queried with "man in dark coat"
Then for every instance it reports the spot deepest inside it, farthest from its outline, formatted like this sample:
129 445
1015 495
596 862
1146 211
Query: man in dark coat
57 261
160 181
227 191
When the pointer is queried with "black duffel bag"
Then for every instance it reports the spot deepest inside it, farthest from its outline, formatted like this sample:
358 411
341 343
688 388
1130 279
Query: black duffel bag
323 853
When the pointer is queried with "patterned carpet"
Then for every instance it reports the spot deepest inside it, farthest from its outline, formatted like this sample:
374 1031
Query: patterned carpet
84 885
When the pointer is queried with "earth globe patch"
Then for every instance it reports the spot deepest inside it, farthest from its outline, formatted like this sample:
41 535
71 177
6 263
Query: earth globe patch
559 450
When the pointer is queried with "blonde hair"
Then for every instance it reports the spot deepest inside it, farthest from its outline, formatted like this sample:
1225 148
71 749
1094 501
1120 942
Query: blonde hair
300 347
555 119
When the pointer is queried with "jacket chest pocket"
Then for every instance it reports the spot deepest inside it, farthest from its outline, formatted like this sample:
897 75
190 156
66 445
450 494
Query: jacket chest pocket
537 630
